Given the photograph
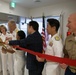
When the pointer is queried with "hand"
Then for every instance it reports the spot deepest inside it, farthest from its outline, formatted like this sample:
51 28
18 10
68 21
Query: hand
6 42
1 40
63 65
8 38
39 59
10 51
4 50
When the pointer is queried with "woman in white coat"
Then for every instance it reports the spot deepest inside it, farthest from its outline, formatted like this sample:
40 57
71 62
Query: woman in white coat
19 61
3 36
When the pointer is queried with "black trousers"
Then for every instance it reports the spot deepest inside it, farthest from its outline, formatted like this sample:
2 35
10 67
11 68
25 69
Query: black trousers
68 72
35 72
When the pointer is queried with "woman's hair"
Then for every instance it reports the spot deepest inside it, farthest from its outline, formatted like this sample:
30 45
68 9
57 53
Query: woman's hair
21 34
3 27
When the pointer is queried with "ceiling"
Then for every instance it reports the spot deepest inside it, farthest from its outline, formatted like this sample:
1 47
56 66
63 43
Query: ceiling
33 4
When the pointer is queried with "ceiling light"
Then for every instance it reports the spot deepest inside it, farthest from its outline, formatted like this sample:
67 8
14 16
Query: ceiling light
37 0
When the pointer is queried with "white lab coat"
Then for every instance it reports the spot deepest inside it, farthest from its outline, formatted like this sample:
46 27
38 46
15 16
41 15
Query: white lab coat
11 56
17 59
55 48
4 56
19 62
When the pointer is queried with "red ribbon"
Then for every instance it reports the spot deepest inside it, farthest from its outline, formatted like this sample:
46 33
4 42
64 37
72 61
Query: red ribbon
51 58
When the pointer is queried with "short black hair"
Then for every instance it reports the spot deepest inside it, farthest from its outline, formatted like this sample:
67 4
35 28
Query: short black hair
34 24
21 34
54 22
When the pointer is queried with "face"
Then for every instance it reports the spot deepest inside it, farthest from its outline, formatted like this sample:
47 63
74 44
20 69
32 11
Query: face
29 29
11 27
71 24
17 37
3 30
49 29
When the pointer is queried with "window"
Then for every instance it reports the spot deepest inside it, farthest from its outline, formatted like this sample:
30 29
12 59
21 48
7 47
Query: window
23 24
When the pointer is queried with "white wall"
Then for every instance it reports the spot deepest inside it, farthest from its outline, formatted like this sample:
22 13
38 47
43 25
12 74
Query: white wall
19 10
55 10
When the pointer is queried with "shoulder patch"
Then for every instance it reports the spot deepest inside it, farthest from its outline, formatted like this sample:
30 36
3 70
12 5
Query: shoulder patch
57 38
16 30
50 43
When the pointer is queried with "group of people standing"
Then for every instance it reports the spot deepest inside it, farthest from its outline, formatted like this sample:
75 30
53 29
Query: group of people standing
12 64
34 42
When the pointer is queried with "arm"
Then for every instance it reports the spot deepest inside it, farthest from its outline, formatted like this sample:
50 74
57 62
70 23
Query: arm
40 59
59 52
10 51
14 42
63 65
58 48
5 50
65 53
21 43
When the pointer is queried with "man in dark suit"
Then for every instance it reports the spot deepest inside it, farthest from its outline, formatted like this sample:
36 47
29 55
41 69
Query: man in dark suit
33 42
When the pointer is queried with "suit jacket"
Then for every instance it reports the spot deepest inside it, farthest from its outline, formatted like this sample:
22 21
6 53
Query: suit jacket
33 42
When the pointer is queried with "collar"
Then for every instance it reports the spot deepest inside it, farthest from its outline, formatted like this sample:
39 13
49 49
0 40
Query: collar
33 32
55 35
73 34
71 37
16 30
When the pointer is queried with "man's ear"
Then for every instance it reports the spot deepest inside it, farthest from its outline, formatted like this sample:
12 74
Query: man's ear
31 27
54 28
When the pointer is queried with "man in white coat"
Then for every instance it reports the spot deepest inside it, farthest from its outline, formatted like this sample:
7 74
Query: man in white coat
18 56
13 30
54 47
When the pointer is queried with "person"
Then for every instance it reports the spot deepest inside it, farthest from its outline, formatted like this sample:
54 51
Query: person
13 30
54 47
70 45
0 57
19 61
3 36
32 42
